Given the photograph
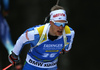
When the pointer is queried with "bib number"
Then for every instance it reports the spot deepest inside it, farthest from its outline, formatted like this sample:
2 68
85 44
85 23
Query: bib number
49 55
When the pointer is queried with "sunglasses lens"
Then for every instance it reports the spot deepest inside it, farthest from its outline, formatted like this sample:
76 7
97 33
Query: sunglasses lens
59 24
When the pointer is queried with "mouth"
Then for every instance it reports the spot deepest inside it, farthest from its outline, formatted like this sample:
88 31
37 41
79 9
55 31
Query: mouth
59 31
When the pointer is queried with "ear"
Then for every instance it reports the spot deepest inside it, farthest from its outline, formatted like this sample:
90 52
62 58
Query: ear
51 22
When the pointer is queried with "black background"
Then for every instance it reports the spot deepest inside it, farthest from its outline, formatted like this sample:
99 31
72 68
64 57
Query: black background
83 17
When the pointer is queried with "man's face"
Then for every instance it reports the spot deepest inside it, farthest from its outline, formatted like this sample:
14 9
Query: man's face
57 30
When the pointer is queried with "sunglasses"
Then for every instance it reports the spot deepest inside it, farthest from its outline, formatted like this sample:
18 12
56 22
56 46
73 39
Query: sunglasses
60 23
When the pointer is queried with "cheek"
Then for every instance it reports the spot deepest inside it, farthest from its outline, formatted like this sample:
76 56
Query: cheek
56 28
63 28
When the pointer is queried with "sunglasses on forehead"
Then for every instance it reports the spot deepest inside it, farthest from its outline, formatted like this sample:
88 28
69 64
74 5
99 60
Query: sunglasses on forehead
60 23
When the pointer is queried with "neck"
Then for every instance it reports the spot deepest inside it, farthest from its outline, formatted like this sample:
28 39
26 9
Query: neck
52 37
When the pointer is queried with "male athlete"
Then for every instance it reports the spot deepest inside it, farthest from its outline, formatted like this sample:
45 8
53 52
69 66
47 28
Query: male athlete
5 37
4 27
47 41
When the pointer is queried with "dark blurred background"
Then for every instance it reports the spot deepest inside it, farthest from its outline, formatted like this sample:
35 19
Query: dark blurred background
83 17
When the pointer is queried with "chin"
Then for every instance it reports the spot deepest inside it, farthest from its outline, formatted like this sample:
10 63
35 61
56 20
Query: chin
59 34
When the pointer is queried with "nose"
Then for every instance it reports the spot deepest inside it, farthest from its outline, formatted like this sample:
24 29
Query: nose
61 27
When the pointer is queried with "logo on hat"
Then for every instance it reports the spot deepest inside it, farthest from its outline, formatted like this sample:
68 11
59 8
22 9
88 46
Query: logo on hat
59 14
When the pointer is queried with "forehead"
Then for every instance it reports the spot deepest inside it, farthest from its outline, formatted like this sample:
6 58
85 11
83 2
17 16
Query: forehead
60 21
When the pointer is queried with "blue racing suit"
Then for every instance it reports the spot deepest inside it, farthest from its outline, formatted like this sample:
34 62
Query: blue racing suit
45 55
